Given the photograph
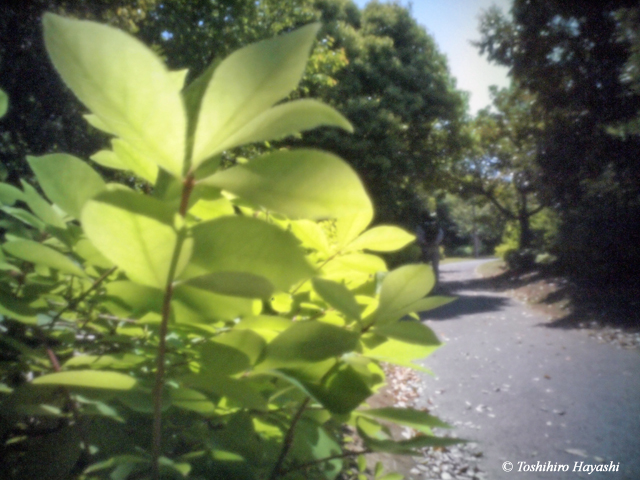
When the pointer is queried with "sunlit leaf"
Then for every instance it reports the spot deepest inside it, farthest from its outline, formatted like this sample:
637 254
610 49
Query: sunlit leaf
402 287
297 183
311 235
136 233
338 296
88 379
247 83
382 239
193 400
131 92
308 342
247 245
410 331
66 180
286 119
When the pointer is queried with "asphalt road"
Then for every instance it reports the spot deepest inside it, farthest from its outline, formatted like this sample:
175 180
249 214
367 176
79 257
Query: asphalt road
529 393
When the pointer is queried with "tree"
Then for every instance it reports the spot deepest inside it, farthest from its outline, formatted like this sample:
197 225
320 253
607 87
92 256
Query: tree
500 164
398 93
44 116
574 57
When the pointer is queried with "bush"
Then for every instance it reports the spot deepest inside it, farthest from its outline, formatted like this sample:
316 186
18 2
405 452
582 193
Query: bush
212 329
520 260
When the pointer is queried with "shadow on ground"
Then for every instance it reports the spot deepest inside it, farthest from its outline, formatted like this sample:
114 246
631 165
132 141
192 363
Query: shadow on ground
578 304
466 305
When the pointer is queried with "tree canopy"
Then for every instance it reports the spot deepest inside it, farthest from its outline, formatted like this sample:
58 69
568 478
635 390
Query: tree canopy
575 57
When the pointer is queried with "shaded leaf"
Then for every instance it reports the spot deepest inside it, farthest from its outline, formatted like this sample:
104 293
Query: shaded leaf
238 284
39 254
9 194
409 417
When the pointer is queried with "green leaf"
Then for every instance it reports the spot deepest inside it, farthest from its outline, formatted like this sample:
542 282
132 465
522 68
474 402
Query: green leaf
424 304
382 239
137 233
241 391
237 284
401 288
66 180
39 254
9 194
131 92
410 331
311 235
341 391
312 442
411 446
350 226
409 417
338 296
308 341
41 207
124 157
194 306
88 379
298 183
246 84
246 341
193 400
223 359
284 120
397 352
118 361
247 245
4 103
25 217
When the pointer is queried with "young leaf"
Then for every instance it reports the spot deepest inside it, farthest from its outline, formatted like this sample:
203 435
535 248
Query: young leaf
382 239
284 120
311 235
246 84
124 84
350 226
136 233
338 296
298 183
39 254
66 180
193 400
248 245
88 379
401 288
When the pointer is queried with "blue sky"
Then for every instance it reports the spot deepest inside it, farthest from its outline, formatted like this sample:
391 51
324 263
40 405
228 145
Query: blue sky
453 23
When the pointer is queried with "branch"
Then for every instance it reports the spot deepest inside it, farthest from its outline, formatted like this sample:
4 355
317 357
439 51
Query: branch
187 188
304 466
74 303
288 440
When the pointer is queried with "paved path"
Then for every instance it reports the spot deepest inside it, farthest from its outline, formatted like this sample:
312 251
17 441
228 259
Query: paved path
526 392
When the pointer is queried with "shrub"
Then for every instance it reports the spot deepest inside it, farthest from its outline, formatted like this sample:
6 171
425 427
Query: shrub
212 329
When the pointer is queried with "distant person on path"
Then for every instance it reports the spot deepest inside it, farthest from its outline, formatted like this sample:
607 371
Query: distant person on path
429 236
